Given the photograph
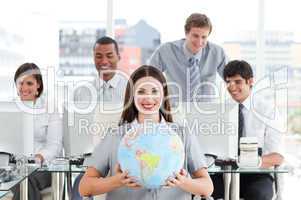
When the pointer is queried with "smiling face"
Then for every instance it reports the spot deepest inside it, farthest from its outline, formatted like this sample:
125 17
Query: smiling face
196 38
239 88
148 96
106 60
27 87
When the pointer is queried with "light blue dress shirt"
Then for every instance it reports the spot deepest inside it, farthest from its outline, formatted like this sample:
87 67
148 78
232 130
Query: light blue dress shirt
173 59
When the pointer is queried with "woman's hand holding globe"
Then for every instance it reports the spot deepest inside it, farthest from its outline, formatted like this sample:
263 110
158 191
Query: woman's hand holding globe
123 179
179 179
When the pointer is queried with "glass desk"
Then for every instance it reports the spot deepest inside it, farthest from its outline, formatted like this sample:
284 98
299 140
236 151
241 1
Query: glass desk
232 177
62 178
20 178
3 193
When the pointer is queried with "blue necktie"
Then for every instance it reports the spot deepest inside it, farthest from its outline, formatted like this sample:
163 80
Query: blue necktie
194 73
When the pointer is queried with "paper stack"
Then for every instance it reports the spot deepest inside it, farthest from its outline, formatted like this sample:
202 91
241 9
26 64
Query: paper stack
248 152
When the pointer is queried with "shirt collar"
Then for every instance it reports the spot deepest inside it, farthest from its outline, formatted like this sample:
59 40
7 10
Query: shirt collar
113 82
38 105
135 122
247 102
188 54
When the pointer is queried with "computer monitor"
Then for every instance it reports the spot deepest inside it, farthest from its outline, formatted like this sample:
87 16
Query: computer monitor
85 125
7 88
215 125
17 129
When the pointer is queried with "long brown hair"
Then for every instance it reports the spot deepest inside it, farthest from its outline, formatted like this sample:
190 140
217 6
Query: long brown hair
130 112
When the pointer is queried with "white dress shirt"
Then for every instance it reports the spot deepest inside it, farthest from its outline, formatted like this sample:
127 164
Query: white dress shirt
116 87
263 120
110 96
48 132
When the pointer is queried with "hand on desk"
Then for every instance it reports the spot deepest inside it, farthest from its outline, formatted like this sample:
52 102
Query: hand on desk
271 160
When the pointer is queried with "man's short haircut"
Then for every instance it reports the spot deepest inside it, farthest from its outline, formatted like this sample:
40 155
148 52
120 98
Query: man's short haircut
197 20
107 40
238 67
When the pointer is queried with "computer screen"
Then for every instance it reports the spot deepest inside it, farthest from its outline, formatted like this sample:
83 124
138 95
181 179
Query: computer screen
7 88
17 129
85 125
215 126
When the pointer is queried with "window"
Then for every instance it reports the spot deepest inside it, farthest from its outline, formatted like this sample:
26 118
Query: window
61 34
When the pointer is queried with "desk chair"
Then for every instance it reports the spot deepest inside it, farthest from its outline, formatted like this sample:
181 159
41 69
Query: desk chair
46 194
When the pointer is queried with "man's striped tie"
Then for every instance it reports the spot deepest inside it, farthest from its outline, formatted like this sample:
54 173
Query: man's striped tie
107 95
194 73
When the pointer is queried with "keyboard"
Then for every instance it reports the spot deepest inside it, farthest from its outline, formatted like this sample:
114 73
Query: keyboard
5 175
2 170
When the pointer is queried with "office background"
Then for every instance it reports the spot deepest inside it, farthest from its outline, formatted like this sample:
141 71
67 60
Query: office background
59 35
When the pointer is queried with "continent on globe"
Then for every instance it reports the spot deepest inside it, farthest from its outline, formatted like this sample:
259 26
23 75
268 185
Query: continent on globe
148 162
129 138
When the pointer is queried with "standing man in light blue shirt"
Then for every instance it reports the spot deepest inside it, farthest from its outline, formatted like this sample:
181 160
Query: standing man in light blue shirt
191 64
